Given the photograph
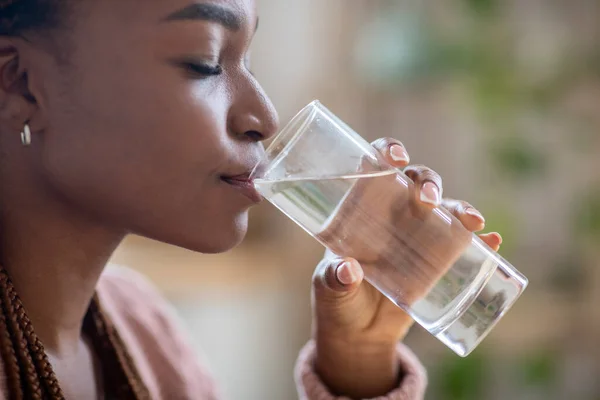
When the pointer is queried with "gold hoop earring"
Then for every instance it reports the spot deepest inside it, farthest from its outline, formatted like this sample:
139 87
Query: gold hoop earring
26 135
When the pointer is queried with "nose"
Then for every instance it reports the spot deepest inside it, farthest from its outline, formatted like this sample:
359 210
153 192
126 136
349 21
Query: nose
253 116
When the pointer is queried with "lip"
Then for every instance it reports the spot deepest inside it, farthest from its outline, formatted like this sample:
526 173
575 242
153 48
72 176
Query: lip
245 185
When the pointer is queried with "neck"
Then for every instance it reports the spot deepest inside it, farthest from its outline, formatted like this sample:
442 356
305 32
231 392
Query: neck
55 257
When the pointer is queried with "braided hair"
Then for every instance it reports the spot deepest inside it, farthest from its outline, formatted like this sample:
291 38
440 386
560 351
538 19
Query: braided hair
28 371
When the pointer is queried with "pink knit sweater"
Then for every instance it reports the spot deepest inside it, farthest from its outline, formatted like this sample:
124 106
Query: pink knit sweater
166 360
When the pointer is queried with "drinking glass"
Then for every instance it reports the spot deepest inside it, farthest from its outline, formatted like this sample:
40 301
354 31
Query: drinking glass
335 185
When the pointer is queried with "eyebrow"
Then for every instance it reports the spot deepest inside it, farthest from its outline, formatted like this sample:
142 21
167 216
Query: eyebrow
208 12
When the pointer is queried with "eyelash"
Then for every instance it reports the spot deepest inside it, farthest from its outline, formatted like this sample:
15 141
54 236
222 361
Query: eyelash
202 70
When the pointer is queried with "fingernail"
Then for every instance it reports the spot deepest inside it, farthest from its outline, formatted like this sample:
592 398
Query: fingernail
399 154
430 194
346 274
499 236
474 213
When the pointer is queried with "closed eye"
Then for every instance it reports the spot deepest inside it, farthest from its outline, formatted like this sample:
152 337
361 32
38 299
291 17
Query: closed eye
199 70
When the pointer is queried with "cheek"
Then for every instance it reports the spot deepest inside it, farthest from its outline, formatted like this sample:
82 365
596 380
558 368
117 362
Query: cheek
124 149
147 126
145 157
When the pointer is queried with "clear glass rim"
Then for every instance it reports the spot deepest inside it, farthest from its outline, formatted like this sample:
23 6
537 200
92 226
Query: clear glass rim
286 137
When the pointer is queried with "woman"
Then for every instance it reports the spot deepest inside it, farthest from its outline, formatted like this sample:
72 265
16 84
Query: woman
121 117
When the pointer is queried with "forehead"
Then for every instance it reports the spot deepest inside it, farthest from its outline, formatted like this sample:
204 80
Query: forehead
134 13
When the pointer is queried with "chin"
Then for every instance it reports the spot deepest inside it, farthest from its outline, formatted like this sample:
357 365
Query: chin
220 235
219 245
219 239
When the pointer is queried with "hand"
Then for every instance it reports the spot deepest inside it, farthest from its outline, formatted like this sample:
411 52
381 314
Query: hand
355 327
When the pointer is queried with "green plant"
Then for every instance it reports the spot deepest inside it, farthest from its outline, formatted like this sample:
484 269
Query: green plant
517 159
463 378
481 7
587 217
539 368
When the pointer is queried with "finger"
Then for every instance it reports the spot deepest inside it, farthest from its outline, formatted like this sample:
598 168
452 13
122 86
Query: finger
393 151
338 275
494 240
428 185
468 215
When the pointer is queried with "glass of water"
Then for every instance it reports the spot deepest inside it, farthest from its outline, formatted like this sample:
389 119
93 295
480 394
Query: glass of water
336 186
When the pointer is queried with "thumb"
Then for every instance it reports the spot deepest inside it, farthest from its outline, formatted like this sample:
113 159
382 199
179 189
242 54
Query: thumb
338 301
337 277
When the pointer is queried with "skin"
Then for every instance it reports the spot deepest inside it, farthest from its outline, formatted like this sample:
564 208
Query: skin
126 140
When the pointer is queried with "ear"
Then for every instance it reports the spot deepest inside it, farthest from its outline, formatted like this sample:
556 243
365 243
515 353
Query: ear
17 103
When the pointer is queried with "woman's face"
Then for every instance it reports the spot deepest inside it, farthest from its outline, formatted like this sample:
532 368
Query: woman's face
153 109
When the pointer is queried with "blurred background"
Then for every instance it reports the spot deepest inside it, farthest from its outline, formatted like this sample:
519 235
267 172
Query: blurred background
502 97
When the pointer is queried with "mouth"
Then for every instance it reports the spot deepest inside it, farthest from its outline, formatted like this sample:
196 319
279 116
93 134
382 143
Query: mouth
244 185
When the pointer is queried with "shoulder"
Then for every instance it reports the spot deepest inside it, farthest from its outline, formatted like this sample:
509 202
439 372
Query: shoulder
153 334
133 302
121 281
128 293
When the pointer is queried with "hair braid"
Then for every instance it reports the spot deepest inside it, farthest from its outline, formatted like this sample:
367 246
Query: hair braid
32 385
40 360
29 372
11 364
